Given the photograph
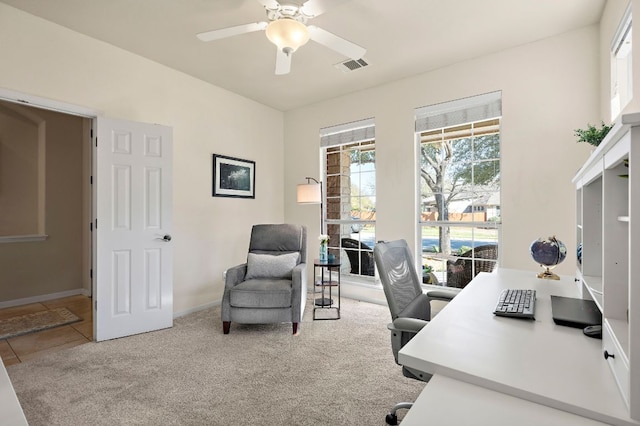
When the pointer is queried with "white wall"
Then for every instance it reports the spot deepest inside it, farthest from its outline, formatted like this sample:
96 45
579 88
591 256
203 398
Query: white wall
549 88
210 234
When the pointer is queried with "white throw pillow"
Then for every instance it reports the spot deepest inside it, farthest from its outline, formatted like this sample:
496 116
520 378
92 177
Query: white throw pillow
271 266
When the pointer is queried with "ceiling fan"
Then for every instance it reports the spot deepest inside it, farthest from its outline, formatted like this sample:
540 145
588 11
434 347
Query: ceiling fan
287 29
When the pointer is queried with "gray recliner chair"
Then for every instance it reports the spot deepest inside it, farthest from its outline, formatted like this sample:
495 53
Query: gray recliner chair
271 286
410 308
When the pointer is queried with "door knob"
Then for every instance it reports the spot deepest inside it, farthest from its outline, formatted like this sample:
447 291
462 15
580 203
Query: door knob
166 238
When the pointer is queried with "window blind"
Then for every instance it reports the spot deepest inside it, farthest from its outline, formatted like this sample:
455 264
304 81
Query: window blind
461 111
357 131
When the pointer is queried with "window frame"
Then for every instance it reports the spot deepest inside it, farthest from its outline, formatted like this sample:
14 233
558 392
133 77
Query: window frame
441 111
358 134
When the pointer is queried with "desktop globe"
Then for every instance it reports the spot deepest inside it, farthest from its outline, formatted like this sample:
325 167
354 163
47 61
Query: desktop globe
548 253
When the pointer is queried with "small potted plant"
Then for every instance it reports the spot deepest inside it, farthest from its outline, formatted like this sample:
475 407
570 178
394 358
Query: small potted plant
592 135
324 243
428 277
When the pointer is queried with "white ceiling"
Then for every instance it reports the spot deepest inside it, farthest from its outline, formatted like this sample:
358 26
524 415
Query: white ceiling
402 37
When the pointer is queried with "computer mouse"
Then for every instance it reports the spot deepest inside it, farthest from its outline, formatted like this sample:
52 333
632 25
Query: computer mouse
594 331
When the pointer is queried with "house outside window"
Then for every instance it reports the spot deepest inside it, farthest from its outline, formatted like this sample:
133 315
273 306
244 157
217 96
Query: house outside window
349 170
458 167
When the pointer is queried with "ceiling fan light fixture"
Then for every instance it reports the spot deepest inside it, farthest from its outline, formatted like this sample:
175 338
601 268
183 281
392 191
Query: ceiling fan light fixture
287 34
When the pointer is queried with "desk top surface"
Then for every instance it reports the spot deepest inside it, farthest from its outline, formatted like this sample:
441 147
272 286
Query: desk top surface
535 360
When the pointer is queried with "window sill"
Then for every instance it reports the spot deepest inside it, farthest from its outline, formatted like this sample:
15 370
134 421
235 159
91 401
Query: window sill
23 238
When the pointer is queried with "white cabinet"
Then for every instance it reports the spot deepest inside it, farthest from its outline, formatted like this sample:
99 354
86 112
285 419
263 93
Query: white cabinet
608 227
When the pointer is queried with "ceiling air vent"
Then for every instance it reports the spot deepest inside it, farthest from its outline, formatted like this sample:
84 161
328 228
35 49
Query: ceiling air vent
351 65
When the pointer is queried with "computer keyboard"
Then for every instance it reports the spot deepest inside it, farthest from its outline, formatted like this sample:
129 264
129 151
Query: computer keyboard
516 303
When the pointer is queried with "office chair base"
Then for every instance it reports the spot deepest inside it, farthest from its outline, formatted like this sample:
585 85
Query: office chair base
392 418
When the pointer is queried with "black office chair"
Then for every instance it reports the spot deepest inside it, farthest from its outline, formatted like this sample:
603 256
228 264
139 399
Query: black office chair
410 307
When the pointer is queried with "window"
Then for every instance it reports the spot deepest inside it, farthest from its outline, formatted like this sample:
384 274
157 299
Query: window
349 169
458 166
621 67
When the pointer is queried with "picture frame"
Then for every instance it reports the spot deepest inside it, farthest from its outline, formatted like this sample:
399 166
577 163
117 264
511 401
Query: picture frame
233 177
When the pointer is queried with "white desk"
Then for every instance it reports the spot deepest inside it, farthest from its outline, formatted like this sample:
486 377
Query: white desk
537 360
449 402
10 410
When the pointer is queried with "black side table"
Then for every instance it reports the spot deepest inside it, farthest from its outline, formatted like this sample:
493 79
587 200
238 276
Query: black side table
325 282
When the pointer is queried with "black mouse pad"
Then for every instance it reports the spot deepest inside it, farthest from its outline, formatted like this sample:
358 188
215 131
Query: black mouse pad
577 313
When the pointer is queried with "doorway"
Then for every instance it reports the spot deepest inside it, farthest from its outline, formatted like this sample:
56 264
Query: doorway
45 240
128 262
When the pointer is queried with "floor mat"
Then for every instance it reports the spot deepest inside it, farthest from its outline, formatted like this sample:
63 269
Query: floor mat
29 323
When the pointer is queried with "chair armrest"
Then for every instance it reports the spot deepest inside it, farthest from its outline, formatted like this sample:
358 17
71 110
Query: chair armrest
298 291
446 296
299 271
299 279
234 275
408 325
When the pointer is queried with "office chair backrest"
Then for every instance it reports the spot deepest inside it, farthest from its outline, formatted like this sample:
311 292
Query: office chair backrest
398 275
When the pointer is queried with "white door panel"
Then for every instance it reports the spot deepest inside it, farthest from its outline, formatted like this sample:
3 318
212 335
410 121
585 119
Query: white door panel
133 284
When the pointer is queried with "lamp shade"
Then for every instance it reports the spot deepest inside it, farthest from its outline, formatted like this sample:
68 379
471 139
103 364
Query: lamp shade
309 193
287 34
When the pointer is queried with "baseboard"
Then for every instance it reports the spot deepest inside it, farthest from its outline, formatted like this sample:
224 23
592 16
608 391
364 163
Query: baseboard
45 297
196 309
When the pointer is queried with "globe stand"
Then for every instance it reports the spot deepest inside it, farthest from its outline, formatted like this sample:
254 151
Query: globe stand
548 275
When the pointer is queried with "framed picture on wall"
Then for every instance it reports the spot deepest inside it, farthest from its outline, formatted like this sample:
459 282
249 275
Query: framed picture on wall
233 177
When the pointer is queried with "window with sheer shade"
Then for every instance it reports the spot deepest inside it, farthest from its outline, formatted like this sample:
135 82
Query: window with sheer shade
458 168
349 173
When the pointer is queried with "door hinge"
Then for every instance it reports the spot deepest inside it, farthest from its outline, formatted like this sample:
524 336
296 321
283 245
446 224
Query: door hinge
91 180
91 227
95 303
91 273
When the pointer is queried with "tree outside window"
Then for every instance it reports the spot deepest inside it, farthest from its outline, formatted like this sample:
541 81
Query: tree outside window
459 168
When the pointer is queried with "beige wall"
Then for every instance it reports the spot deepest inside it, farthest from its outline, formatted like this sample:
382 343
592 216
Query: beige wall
210 234
549 88
31 269
19 168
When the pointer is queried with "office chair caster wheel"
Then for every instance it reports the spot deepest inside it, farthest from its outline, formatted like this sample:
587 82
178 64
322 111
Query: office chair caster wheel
391 419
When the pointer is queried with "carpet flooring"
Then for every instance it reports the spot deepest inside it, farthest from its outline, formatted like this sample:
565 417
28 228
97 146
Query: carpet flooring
37 321
335 372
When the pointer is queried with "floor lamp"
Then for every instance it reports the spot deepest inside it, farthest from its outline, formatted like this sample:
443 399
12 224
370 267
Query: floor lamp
311 193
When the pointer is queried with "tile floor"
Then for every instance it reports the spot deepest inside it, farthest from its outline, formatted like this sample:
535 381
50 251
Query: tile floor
29 346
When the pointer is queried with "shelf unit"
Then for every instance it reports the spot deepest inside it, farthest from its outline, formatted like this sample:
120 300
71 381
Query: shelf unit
607 207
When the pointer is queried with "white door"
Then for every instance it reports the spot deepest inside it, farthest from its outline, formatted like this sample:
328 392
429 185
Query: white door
133 270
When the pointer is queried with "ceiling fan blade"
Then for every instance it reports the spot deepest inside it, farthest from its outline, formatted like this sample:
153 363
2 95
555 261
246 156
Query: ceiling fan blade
312 8
336 43
283 62
269 4
231 31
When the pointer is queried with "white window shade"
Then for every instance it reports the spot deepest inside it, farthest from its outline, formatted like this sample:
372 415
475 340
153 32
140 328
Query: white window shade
461 111
358 131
